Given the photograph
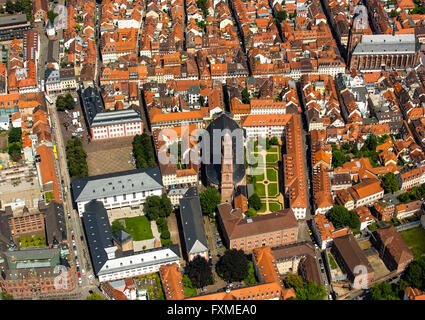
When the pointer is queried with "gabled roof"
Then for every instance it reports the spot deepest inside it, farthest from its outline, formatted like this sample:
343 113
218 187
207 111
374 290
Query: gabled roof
192 222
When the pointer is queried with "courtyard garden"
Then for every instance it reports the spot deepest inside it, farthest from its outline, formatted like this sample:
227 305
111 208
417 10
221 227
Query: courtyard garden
264 176
139 228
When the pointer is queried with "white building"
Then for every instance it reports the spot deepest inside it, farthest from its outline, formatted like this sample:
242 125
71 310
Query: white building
119 189
109 262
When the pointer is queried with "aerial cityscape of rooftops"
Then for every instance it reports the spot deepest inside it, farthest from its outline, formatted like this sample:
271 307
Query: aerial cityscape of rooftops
212 150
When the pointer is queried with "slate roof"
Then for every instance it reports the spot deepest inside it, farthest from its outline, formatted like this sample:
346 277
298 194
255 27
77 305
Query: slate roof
117 183
213 170
192 222
98 233
387 44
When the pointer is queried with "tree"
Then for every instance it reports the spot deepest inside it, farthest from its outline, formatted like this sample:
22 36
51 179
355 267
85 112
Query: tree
246 99
254 201
165 235
157 207
281 15
233 266
293 280
5 296
310 291
77 159
338 158
95 296
251 212
394 13
143 151
341 217
65 102
199 272
250 279
274 141
210 198
15 135
10 8
51 15
383 291
415 274
390 183
116 226
14 152
371 143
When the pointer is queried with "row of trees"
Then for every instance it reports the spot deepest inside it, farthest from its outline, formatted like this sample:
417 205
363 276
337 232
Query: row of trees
233 266
413 277
143 151
15 144
158 209
77 159
415 194
24 6
65 102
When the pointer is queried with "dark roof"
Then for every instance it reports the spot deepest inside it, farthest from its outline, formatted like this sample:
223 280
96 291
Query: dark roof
213 169
55 222
394 244
4 230
306 253
351 253
92 103
98 233
121 236
192 222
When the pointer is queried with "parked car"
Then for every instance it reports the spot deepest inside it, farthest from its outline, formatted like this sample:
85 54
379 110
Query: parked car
73 238
79 275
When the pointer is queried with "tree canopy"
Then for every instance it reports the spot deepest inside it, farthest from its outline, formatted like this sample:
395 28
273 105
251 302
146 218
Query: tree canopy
390 183
341 217
383 291
305 290
77 159
246 99
143 151
199 272
65 102
157 207
95 296
116 226
233 266
281 15
254 201
210 198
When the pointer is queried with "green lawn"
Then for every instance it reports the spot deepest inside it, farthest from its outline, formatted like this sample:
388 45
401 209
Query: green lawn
415 239
273 190
274 206
271 175
260 190
332 261
139 228
272 158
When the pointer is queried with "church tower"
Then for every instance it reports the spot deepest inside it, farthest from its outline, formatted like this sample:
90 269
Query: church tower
227 170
